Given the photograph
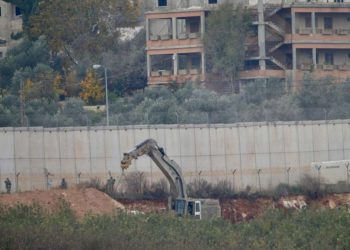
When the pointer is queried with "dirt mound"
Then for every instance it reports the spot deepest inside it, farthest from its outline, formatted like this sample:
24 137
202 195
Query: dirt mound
237 210
145 206
82 201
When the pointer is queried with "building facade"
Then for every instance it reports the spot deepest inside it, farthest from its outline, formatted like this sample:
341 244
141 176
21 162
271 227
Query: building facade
10 25
292 39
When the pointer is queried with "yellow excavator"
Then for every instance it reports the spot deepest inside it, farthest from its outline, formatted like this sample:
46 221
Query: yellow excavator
178 201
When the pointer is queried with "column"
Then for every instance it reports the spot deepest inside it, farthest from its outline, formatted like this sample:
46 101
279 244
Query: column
294 58
203 65
293 22
313 22
147 29
148 65
261 36
202 24
176 63
173 21
314 62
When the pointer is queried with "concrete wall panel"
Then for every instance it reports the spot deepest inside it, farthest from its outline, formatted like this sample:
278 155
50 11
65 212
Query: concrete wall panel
291 138
277 142
68 149
187 140
218 141
320 137
247 140
346 136
336 155
321 156
232 141
51 147
22 145
335 136
305 138
7 148
97 143
248 161
261 140
113 152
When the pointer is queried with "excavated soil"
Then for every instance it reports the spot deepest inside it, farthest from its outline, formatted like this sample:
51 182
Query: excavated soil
91 201
82 201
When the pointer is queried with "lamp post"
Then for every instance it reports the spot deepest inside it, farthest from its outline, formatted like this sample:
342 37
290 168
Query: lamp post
97 66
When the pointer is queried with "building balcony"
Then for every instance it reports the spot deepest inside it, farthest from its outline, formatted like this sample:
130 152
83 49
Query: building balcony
163 77
256 74
182 40
338 73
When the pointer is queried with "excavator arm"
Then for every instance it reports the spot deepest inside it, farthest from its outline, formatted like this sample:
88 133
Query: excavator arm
169 168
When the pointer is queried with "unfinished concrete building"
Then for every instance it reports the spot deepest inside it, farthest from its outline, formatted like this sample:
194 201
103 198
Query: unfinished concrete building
10 25
292 38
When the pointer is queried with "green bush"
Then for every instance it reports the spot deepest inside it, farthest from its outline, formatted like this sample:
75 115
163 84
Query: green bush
24 227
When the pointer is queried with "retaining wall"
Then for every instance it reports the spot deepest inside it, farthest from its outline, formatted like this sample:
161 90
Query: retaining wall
240 153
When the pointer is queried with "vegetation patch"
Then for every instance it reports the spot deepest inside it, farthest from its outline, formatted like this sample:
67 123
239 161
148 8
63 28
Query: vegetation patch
29 227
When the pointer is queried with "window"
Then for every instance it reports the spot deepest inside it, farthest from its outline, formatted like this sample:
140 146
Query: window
308 22
162 3
328 58
339 1
328 23
18 11
212 1
1 54
0 11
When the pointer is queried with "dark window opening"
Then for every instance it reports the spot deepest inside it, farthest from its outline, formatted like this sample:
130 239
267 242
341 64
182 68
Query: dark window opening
18 11
308 22
212 1
328 23
162 2
328 58
0 11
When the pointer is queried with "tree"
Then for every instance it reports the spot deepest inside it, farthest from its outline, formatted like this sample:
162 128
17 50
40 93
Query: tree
81 28
224 40
130 72
26 54
92 90
39 82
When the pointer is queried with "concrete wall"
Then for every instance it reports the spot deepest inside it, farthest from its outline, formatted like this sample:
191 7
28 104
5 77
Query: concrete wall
233 152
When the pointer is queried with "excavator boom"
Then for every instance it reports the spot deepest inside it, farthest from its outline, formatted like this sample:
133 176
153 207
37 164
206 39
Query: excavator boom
169 168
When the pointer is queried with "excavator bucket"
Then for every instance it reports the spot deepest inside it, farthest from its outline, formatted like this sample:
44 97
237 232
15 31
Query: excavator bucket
126 162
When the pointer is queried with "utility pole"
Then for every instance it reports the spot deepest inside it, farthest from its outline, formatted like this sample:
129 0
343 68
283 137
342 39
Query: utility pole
21 104
261 36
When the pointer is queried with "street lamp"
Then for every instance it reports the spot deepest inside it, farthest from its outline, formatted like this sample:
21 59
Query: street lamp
97 66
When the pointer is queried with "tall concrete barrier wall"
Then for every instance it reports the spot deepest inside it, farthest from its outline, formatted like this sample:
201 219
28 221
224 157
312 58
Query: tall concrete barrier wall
254 154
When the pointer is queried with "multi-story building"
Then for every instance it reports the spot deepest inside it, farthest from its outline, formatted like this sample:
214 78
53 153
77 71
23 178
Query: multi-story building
293 38
10 25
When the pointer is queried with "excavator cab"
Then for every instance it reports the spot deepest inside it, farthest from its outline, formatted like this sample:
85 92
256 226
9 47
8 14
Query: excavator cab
191 208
